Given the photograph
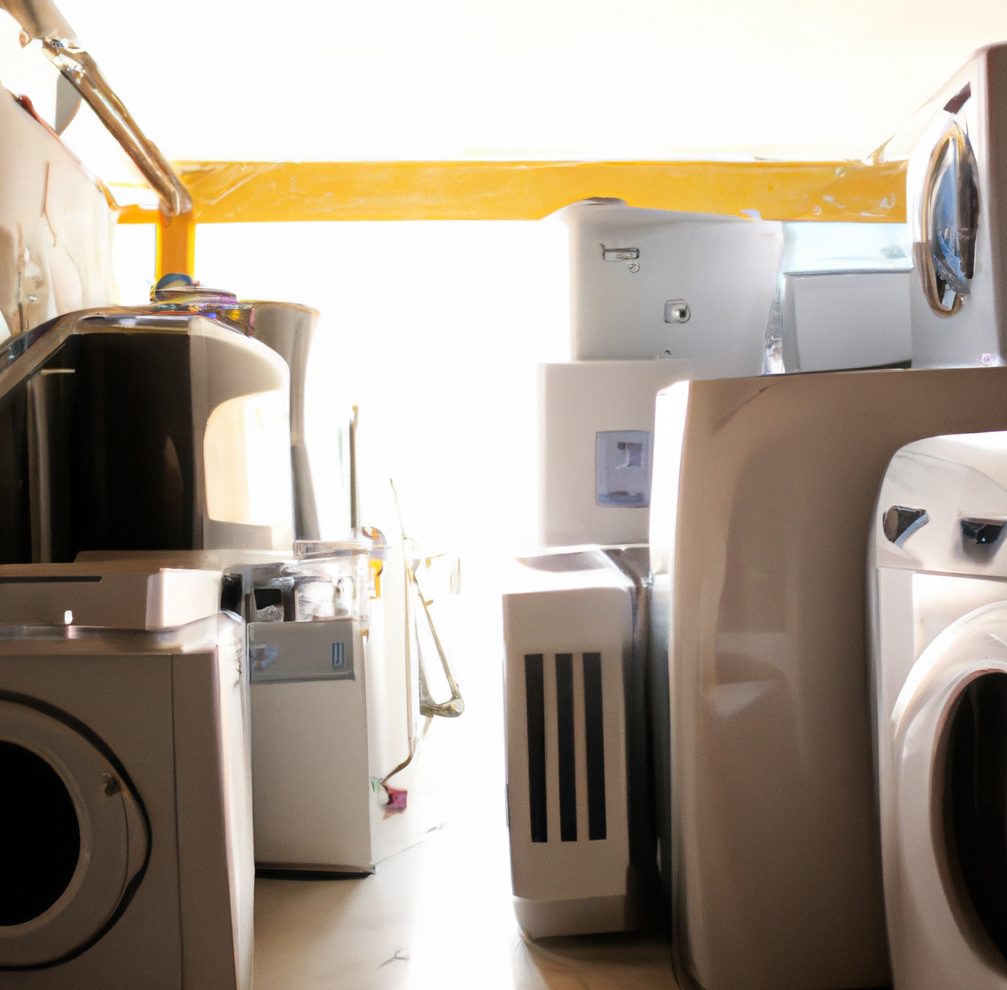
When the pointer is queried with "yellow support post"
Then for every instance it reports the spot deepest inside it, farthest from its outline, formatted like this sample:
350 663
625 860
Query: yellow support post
176 245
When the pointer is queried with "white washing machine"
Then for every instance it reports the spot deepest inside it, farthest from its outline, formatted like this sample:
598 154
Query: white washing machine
125 824
937 579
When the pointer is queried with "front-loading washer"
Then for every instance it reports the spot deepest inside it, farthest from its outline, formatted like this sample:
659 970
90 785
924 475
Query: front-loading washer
125 819
937 631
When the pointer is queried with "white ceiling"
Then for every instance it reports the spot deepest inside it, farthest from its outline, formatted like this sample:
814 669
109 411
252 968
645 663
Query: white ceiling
391 79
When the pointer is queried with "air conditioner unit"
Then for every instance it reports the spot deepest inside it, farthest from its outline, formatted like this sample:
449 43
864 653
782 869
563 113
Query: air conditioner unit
577 765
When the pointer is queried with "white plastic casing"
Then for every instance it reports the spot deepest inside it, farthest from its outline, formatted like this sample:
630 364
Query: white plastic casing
577 401
935 623
840 320
723 268
321 746
165 708
577 884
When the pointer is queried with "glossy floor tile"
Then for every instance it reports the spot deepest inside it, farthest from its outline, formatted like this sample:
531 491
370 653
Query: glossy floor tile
435 917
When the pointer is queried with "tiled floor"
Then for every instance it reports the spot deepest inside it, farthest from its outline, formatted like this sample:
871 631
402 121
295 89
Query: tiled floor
438 916
435 917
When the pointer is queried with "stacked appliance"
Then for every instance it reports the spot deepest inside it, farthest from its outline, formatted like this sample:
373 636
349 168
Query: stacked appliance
656 297
124 748
934 573
336 642
152 488
132 435
764 493
157 517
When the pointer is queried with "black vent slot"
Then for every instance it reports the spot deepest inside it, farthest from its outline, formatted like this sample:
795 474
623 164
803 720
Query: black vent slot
594 748
567 758
535 702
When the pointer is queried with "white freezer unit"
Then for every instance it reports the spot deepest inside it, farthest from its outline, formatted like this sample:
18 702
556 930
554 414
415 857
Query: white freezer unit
836 320
657 284
736 296
596 423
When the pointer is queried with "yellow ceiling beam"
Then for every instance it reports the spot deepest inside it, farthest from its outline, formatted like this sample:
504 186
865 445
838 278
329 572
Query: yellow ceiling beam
236 192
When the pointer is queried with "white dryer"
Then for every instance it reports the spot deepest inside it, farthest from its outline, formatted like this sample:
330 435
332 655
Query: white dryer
937 628
125 818
957 221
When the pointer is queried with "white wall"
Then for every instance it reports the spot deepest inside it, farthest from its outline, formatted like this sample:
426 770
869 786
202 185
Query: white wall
378 79
434 330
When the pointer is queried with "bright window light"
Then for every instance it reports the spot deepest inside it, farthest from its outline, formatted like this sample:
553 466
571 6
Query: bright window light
434 330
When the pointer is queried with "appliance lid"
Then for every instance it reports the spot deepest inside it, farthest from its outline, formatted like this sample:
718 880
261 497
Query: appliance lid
114 595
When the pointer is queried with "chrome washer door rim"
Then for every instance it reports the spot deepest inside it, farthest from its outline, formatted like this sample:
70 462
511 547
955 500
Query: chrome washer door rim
114 836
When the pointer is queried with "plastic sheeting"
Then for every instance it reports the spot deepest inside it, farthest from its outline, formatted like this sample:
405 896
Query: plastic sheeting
55 226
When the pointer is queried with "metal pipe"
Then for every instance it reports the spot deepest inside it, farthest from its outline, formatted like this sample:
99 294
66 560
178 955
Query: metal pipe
354 492
40 20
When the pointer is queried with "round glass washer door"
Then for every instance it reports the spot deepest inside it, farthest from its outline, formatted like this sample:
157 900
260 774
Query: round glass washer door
949 221
74 836
975 802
